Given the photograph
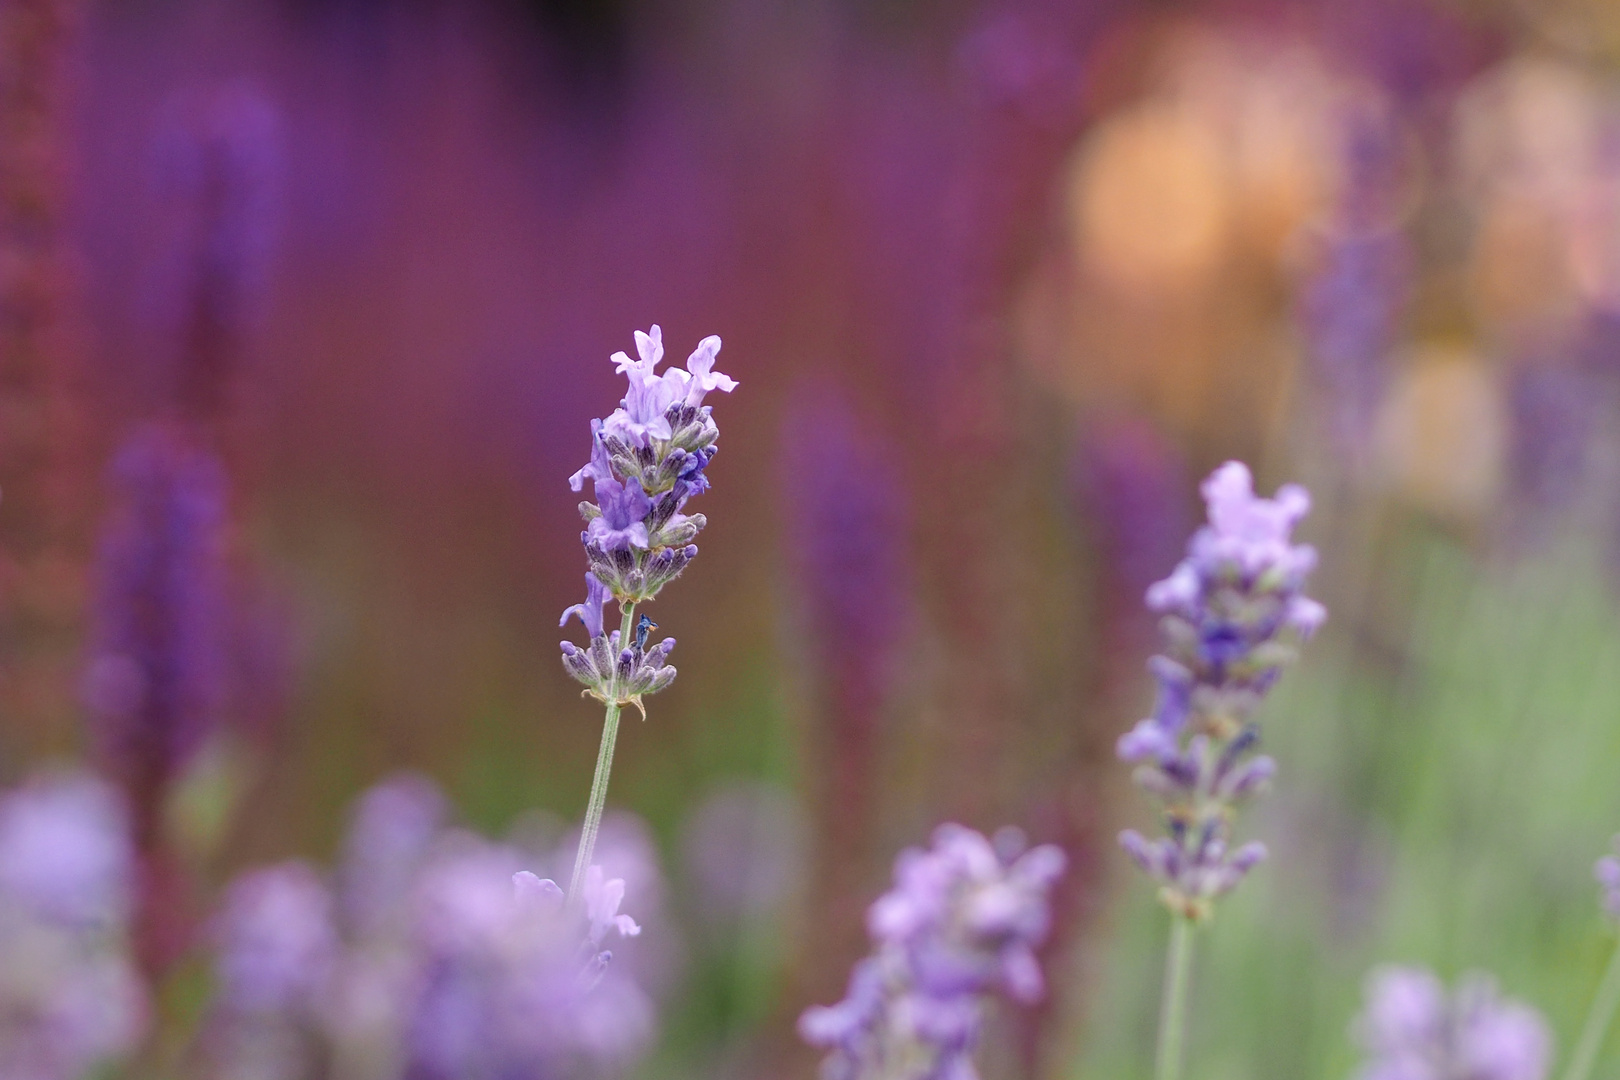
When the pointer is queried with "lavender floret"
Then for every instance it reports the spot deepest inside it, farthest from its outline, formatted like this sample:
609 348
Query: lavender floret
1232 612
962 922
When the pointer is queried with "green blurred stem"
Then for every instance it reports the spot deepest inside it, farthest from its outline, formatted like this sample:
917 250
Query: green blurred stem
1173 1009
1597 1021
604 765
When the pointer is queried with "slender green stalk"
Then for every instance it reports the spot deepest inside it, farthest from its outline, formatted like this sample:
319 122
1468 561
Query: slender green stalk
1173 1008
604 766
1597 1022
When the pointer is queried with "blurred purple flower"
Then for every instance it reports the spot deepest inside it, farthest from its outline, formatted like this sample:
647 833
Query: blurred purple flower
1351 312
962 921
220 158
392 829
65 850
1552 408
276 941
1607 872
451 959
847 524
1128 481
156 676
1412 1029
70 999
744 849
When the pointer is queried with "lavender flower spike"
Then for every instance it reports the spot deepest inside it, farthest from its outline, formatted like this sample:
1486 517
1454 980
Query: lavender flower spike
647 459
962 921
1412 1029
1232 612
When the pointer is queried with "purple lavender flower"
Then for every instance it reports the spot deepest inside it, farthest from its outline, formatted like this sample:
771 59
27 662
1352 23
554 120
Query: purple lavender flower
1412 1029
220 159
647 460
1128 479
621 524
156 677
962 921
442 957
65 851
513 983
1228 613
1607 872
277 940
70 999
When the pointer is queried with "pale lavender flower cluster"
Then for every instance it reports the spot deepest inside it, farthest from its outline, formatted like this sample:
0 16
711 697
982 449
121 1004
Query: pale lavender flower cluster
1230 612
437 955
963 921
1607 872
647 460
70 998
1412 1029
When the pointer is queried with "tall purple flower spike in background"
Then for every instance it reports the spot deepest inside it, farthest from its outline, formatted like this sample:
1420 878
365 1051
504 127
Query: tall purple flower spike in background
962 922
1229 611
1412 1029
647 460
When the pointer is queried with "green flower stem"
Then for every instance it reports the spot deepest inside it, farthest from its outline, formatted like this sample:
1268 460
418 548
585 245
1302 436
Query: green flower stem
604 765
1597 1022
1173 1008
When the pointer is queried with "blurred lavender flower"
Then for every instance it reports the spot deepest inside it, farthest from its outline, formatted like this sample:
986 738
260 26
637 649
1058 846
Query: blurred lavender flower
647 459
156 677
1228 611
276 950
744 849
277 942
847 533
1607 872
962 921
1351 312
70 1000
219 157
1412 1029
441 956
1128 479
513 984
1553 408
392 829
1352 306
846 537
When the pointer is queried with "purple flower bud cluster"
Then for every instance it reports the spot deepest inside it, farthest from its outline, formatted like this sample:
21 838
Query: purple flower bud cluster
1229 612
647 460
70 998
963 921
437 955
1607 872
156 678
1411 1029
